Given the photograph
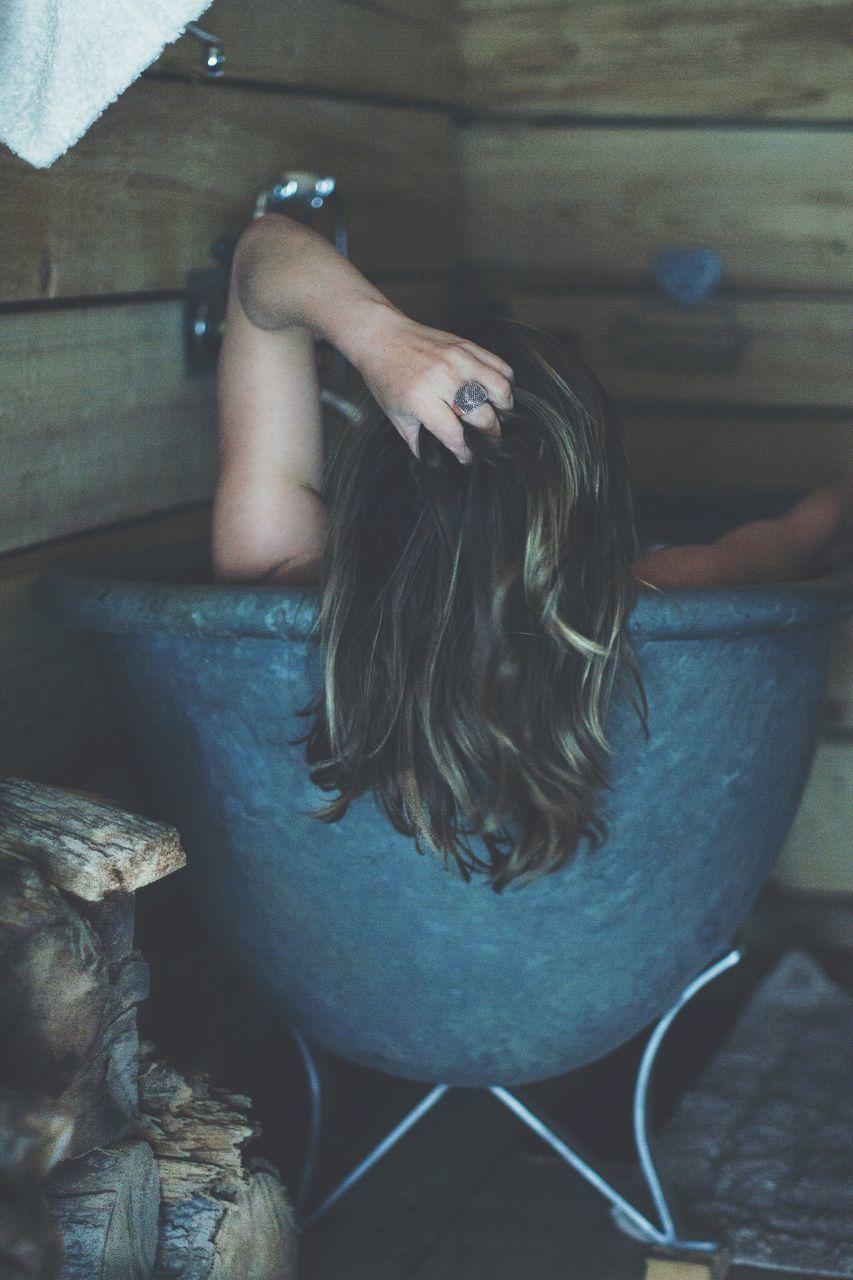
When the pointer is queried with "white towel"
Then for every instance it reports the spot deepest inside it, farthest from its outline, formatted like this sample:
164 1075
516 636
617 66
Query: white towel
63 61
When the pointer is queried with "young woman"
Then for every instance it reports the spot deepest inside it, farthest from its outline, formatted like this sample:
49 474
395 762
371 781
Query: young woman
473 546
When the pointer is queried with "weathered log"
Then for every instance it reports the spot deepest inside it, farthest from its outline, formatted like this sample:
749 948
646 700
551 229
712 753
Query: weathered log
69 987
106 1204
220 1216
32 1139
113 921
30 1243
87 847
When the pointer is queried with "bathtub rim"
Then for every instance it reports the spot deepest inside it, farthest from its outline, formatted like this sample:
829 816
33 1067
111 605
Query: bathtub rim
94 602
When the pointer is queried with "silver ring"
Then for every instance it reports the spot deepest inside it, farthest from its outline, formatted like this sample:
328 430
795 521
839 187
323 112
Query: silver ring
470 396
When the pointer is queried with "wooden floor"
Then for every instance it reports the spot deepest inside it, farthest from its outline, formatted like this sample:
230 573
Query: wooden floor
469 1194
462 1197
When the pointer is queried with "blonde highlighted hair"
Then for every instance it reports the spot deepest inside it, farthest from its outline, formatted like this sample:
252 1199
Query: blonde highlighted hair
472 622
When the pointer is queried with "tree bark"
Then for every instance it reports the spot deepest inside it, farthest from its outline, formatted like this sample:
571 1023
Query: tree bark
106 1204
69 987
220 1216
32 1139
85 846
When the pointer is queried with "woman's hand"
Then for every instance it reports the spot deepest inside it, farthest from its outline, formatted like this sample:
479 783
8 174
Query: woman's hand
413 372
287 275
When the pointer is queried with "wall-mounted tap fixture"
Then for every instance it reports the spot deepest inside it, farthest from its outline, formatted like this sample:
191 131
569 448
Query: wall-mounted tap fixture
300 195
204 319
298 192
290 188
213 55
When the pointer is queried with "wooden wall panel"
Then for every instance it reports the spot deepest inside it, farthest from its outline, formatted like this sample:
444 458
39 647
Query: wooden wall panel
695 453
595 205
840 707
791 350
818 856
171 167
400 48
776 59
99 422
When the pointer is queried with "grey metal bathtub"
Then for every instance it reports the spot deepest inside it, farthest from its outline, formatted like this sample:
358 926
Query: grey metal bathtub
379 954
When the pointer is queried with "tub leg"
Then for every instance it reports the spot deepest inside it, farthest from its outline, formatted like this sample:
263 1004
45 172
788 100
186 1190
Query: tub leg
669 1234
390 1140
673 1231
551 1133
315 1119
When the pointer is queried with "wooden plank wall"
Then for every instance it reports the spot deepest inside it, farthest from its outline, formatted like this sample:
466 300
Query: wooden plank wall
106 441
596 137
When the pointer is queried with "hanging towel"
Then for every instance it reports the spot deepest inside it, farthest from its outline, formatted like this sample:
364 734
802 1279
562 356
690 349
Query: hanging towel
63 61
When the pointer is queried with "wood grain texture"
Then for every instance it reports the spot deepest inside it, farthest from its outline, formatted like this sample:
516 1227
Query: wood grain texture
99 421
68 1000
840 706
391 1221
776 59
33 1137
692 452
531 1216
106 1204
88 848
669 1269
401 48
171 167
221 1216
817 854
792 350
597 204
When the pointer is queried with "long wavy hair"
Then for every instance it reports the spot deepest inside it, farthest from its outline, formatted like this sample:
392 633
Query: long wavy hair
471 622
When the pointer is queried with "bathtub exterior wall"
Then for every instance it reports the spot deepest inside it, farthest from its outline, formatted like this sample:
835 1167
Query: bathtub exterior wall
386 958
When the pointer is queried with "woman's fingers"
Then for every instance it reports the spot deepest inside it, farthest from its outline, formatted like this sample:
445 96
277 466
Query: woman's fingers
483 418
417 376
489 358
499 389
443 423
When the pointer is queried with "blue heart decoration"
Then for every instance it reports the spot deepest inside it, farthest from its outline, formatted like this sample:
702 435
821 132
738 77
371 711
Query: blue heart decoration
688 276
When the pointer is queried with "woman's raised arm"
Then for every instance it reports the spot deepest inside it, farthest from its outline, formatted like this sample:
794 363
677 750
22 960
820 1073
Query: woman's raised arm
269 520
288 287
